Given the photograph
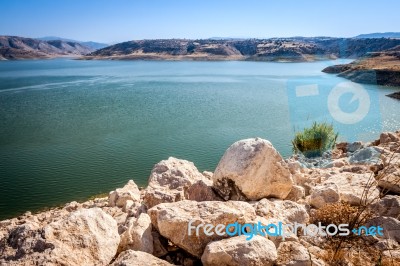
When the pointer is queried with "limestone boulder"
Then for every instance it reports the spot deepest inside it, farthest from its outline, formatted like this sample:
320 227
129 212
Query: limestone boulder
89 234
390 180
388 206
297 193
168 181
172 220
324 194
237 251
387 137
293 253
138 258
202 190
84 237
352 188
120 196
368 155
285 211
138 235
252 169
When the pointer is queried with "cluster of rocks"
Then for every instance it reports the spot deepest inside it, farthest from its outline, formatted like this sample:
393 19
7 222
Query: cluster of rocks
252 183
345 153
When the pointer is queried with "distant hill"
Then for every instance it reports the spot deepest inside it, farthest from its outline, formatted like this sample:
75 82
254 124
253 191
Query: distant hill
379 35
276 49
93 45
297 49
14 47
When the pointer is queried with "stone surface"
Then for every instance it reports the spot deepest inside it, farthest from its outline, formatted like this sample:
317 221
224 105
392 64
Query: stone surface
297 193
160 244
391 227
293 253
387 137
237 251
324 194
138 258
138 235
169 179
368 155
352 147
85 237
172 221
120 196
252 169
388 206
283 210
390 180
201 191
351 189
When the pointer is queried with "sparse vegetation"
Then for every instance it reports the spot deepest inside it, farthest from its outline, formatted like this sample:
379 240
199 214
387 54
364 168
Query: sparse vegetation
335 213
315 140
353 250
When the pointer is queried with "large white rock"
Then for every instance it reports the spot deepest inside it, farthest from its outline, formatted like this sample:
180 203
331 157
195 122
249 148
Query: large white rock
84 237
352 188
237 251
120 196
168 181
172 221
138 258
138 235
283 210
252 169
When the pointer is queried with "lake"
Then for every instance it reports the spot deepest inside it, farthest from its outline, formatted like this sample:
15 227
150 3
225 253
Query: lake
71 129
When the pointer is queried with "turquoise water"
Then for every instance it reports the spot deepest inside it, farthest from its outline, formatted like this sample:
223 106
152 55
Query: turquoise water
71 129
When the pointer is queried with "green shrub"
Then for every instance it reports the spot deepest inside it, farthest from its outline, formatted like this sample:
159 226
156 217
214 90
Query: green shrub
313 141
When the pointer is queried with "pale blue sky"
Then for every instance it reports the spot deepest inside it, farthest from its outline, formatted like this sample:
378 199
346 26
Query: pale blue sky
121 20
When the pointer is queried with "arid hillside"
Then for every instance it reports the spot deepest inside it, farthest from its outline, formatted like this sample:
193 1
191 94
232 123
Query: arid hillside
12 47
277 49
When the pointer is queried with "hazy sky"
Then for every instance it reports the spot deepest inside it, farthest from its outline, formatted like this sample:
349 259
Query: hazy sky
121 20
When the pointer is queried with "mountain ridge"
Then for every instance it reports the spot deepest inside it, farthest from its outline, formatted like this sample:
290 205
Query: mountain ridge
379 35
90 44
15 47
297 49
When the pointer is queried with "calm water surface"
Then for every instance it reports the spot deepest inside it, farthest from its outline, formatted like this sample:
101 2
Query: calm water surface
71 129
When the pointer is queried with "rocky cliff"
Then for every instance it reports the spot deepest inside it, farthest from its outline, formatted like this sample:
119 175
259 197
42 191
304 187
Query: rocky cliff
277 49
12 47
252 183
381 68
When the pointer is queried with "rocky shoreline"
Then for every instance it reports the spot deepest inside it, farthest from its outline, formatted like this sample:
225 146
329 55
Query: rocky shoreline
380 68
252 183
